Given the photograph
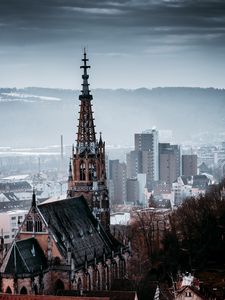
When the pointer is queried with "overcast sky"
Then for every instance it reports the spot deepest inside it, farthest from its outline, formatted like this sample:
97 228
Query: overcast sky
130 44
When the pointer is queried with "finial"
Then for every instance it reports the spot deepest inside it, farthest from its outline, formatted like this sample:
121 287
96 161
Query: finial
100 138
70 177
33 204
85 85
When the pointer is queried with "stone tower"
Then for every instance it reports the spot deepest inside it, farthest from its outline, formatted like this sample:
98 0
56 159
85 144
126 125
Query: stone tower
87 172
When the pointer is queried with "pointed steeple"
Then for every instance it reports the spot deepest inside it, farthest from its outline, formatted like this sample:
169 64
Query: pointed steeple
33 204
85 92
86 128
100 138
87 175
70 177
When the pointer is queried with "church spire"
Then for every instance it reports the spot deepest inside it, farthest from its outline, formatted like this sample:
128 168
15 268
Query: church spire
33 203
86 136
85 92
87 172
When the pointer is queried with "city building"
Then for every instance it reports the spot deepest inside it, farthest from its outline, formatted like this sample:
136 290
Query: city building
189 164
169 162
117 179
189 186
147 142
9 223
142 189
134 163
132 191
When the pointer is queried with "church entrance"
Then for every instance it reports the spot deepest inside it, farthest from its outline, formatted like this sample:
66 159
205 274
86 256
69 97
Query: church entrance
23 291
59 286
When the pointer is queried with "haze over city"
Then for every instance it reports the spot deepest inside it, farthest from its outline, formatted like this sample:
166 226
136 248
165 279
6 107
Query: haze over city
130 44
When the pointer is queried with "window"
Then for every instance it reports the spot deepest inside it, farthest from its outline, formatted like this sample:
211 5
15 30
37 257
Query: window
82 171
29 226
38 226
13 218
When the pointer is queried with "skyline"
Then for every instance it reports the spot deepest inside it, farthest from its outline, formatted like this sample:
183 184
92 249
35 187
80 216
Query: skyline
130 44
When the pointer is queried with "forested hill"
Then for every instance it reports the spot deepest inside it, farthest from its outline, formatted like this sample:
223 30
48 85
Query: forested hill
37 116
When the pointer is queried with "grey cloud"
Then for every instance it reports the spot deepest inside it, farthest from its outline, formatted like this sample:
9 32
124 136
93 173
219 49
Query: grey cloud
39 29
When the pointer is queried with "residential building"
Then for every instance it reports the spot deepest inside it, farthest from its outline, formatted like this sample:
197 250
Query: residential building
9 224
117 177
189 164
169 162
133 190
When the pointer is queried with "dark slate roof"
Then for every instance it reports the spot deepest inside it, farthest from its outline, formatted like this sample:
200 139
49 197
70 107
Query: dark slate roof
7 205
185 179
24 257
200 181
74 226
15 186
11 196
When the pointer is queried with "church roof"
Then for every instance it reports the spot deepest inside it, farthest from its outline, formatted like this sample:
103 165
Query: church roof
73 226
24 257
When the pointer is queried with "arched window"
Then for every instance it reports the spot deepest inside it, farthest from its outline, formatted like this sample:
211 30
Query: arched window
79 285
106 277
91 171
38 226
82 171
87 282
8 290
96 279
35 289
23 291
122 270
114 270
29 225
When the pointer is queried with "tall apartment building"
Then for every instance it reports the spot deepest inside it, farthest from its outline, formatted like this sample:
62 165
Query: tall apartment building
189 165
117 179
169 162
134 163
133 190
147 143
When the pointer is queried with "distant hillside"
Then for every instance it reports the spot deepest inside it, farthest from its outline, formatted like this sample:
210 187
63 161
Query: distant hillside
37 116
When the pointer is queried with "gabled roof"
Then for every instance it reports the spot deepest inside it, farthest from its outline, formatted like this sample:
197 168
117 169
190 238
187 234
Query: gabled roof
73 226
24 257
11 196
193 289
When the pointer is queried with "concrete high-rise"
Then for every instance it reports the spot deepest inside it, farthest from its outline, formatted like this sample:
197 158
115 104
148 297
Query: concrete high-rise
134 163
133 190
189 165
117 181
147 143
169 162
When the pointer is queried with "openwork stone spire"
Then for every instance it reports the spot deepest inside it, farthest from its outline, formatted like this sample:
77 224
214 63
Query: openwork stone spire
86 136
87 172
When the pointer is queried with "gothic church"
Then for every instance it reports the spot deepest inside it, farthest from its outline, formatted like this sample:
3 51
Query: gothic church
66 244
